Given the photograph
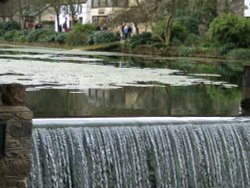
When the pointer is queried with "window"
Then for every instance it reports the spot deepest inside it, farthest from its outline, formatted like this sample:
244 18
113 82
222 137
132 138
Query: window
109 3
99 20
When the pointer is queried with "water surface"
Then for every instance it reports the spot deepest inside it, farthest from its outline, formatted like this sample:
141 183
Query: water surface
74 83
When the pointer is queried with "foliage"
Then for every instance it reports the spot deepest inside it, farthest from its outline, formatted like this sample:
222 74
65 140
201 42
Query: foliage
179 31
76 38
192 40
182 31
114 46
85 28
60 38
2 32
12 25
243 54
185 51
230 29
190 22
159 28
226 48
99 37
140 39
9 35
38 35
55 37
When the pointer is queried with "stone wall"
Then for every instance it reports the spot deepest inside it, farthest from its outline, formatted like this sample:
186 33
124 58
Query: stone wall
15 165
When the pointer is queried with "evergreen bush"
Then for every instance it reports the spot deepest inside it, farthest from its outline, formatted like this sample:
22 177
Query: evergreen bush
140 39
84 28
243 54
191 23
185 51
14 35
230 28
38 35
226 48
12 25
76 38
100 37
179 31
60 38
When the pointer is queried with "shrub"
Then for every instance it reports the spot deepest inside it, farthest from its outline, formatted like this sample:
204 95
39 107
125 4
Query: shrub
185 51
159 28
76 38
191 23
85 28
38 35
99 37
243 54
230 29
12 25
2 32
192 40
14 35
60 38
141 39
226 48
179 31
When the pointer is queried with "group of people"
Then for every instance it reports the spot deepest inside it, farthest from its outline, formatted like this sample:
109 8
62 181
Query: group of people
126 31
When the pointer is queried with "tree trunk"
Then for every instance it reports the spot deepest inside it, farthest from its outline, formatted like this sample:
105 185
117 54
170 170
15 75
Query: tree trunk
59 28
169 21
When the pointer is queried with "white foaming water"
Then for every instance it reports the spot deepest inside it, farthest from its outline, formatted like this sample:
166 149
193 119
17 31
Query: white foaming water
141 152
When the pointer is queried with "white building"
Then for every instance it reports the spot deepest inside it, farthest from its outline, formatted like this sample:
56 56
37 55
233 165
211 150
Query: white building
82 16
247 8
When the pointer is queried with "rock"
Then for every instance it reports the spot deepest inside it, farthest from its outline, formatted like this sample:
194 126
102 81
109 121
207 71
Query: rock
13 94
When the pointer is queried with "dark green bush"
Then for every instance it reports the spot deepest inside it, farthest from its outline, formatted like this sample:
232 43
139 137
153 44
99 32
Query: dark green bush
84 28
141 39
159 28
178 31
60 38
191 23
185 51
100 37
76 38
12 25
38 35
14 35
226 48
192 40
230 28
2 32
54 37
243 54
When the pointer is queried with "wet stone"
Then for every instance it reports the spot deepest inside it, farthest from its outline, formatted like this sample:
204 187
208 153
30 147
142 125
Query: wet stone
20 129
13 184
13 94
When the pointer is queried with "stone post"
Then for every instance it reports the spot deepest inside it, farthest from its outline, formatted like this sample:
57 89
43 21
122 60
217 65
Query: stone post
15 163
245 102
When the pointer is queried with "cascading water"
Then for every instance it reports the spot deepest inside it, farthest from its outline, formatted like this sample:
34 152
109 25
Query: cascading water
141 152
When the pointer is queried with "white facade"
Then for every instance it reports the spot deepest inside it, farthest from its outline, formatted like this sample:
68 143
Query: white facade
65 19
247 8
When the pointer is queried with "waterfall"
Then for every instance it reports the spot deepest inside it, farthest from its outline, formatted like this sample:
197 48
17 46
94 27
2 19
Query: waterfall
141 152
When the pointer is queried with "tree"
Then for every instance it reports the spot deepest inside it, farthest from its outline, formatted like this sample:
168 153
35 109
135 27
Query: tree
165 11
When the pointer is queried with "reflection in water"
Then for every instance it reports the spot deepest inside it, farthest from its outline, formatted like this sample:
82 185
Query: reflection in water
199 100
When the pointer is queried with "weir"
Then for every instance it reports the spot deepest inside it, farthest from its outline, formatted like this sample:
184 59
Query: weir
181 152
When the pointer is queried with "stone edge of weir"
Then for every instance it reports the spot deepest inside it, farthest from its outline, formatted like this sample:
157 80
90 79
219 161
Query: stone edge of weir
15 138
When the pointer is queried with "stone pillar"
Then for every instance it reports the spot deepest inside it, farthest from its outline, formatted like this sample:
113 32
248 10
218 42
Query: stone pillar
245 102
15 164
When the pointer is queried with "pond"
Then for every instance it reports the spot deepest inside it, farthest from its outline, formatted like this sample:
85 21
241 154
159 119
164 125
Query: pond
75 83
